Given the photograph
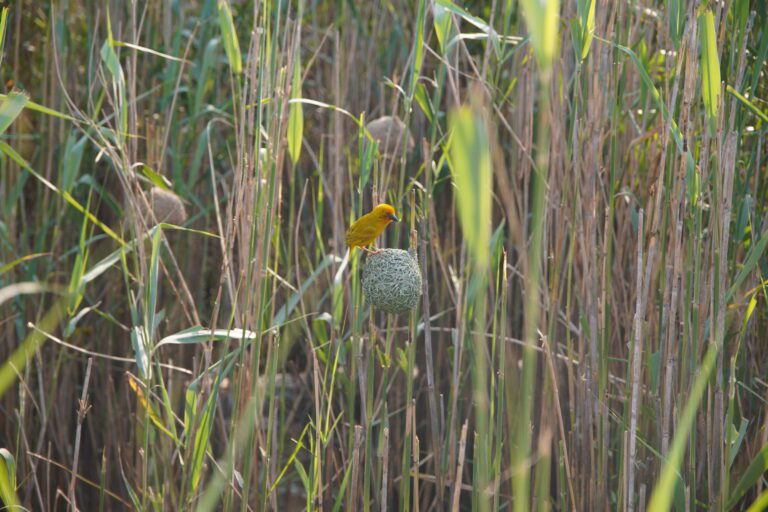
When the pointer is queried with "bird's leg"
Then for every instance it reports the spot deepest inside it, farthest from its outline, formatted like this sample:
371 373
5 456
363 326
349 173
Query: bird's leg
371 252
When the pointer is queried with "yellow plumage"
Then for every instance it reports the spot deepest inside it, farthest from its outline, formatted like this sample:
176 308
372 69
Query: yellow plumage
365 230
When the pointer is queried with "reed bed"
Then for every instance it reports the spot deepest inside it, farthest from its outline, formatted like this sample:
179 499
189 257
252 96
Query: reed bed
583 185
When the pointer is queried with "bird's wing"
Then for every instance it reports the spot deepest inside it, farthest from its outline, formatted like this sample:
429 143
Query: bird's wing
362 232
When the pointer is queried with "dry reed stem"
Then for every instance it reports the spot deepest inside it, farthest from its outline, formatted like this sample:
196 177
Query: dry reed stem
415 473
384 468
560 423
636 368
436 438
82 410
354 498
459 469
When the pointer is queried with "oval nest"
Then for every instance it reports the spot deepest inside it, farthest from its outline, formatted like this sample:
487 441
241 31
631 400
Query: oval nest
392 281
167 206
388 131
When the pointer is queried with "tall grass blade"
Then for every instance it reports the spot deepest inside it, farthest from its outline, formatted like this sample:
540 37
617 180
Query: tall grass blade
710 67
15 363
542 18
10 109
8 479
583 27
663 492
754 472
229 37
295 115
36 107
3 28
470 163
110 59
152 286
195 335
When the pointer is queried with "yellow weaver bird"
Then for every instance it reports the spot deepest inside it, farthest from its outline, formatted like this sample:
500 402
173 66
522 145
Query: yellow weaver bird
365 230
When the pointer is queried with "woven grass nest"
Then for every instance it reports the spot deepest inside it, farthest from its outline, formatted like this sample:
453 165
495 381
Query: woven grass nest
392 281
167 206
388 131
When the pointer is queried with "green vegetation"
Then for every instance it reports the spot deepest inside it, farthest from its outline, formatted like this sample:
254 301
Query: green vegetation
584 185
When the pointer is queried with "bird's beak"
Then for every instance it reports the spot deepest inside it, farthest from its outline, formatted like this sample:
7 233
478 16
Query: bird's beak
394 217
